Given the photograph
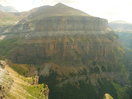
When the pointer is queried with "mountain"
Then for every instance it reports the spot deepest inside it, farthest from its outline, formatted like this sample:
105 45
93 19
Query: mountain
7 18
7 9
58 18
121 26
124 32
119 21
77 55
57 10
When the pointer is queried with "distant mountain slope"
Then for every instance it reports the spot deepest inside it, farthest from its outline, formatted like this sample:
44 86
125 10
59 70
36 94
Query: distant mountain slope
7 18
124 32
121 26
7 9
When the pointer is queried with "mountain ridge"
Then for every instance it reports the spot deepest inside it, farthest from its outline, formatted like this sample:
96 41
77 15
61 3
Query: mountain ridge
59 18
121 26
7 9
56 10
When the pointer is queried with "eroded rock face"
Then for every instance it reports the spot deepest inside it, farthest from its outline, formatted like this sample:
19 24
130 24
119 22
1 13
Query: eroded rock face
72 61
78 55
5 83
63 23
59 18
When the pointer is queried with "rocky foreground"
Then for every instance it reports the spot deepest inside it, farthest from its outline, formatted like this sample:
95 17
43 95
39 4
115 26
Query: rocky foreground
15 86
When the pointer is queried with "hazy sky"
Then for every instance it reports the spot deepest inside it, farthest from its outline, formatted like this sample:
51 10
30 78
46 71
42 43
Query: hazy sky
109 9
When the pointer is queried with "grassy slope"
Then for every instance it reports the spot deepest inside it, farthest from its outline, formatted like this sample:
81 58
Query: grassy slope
21 87
7 18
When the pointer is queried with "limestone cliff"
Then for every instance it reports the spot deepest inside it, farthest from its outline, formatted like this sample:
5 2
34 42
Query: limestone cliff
59 19
76 54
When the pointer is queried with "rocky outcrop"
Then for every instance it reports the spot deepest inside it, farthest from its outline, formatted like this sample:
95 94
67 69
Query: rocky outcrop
5 83
15 86
107 96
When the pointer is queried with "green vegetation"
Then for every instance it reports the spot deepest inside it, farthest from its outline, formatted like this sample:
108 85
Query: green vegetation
121 91
7 19
126 40
6 47
24 87
90 56
23 69
37 91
